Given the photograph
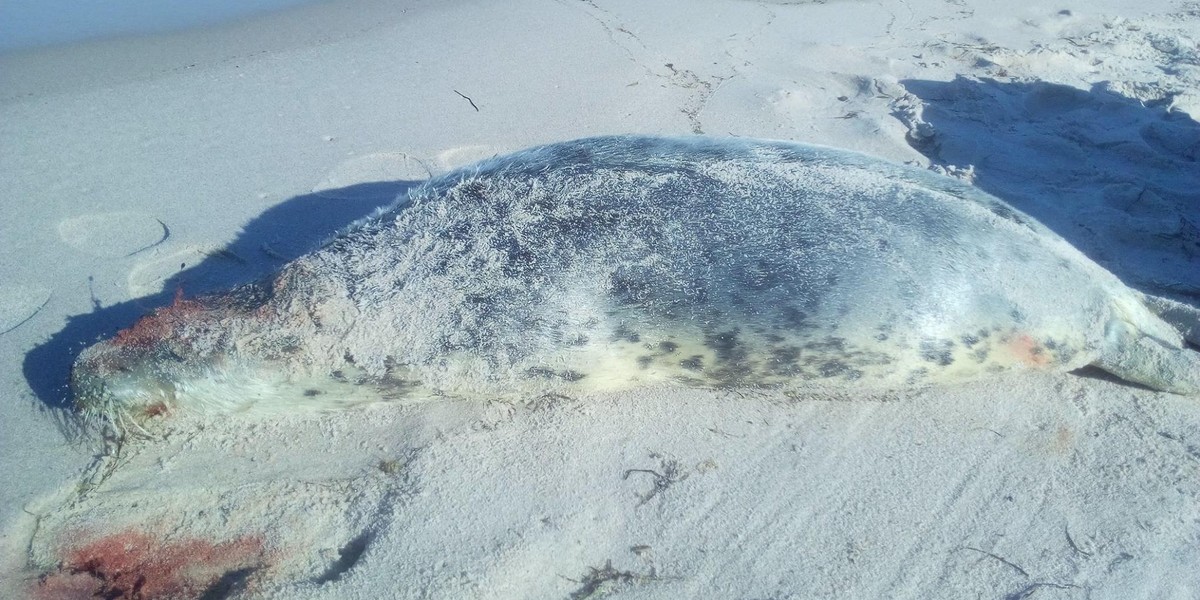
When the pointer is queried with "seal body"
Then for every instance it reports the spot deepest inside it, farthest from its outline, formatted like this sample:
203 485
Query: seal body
618 262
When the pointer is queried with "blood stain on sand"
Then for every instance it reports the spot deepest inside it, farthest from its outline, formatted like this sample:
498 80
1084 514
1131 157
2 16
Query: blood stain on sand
133 565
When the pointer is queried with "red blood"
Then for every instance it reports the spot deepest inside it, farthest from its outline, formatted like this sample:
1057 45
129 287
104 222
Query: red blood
149 330
133 565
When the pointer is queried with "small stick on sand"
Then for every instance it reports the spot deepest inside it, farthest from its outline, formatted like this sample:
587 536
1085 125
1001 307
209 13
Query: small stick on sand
468 100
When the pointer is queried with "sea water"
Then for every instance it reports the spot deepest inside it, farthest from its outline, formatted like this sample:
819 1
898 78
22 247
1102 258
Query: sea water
33 23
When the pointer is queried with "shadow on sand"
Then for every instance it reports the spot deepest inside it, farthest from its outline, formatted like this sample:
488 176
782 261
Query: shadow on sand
282 233
1117 178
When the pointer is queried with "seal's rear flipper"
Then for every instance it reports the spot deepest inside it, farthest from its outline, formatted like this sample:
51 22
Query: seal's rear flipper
1137 357
1181 316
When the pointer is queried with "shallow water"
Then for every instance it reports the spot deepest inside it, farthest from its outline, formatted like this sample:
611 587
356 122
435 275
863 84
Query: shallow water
33 23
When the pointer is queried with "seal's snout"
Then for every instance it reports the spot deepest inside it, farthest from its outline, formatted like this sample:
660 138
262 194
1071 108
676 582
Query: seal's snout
109 379
204 354
136 373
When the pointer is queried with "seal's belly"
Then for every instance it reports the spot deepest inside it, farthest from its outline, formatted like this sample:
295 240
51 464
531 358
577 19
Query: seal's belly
630 350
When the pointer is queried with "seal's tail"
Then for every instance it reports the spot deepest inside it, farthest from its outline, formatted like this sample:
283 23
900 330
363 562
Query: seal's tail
1184 317
1139 347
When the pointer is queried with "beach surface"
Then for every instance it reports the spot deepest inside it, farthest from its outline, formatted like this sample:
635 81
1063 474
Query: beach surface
136 168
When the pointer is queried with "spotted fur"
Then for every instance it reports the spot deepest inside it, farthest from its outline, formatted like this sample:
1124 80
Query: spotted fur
620 262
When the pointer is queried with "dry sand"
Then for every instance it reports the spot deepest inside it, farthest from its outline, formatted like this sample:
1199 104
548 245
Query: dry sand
131 168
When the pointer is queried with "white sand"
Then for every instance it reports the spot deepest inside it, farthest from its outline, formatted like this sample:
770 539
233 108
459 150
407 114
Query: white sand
122 160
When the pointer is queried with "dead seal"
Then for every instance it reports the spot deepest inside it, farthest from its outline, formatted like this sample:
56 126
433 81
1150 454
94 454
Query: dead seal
620 262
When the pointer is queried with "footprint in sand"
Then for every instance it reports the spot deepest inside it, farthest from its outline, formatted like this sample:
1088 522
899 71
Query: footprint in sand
151 276
18 304
350 180
461 156
112 234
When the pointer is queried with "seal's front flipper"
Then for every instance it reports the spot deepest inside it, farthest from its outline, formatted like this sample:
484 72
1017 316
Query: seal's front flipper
1134 356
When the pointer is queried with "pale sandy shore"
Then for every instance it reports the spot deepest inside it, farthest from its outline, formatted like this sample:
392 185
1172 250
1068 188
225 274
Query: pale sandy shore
135 167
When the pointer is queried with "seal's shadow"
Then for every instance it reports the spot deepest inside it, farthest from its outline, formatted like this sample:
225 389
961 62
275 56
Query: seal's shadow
281 234
1116 177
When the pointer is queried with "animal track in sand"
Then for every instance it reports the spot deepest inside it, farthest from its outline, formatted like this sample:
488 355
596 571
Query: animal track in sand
112 234
19 303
